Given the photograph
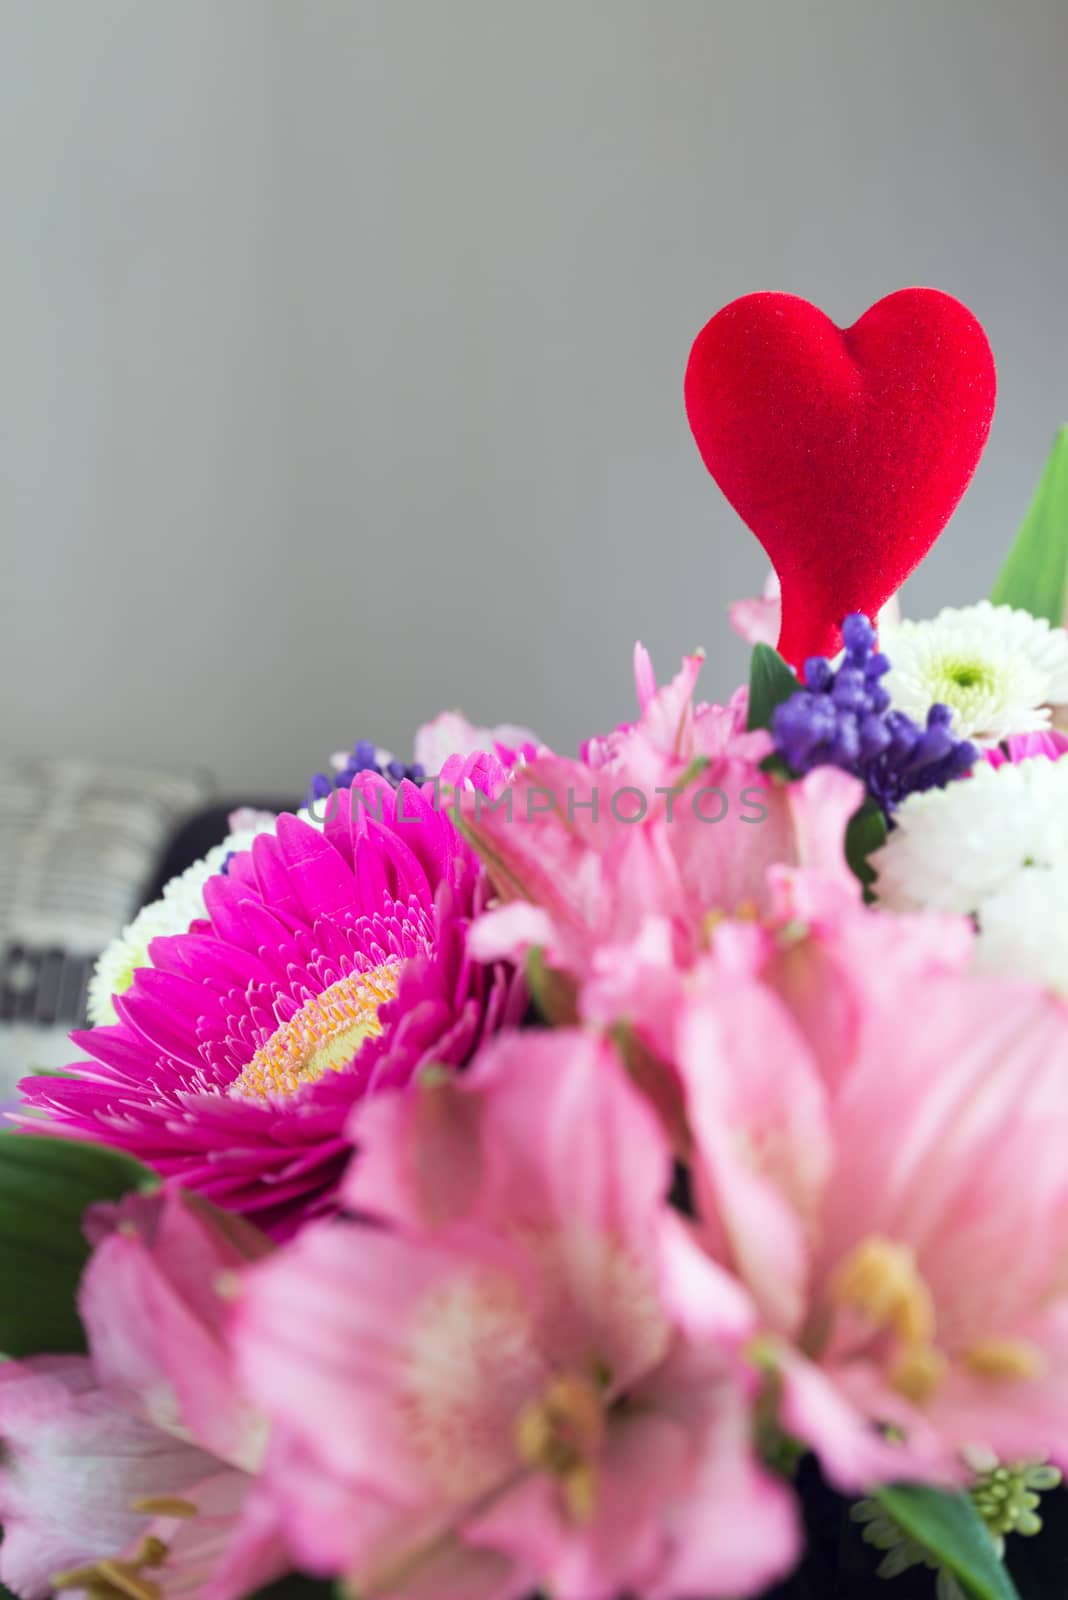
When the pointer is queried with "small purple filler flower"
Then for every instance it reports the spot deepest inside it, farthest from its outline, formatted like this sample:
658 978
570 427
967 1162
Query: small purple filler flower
843 719
363 757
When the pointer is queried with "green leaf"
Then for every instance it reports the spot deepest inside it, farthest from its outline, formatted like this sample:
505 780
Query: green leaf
949 1526
553 993
1035 575
771 682
776 767
45 1187
864 835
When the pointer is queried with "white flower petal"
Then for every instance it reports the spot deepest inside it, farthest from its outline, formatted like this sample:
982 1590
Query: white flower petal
181 903
993 846
1024 929
999 670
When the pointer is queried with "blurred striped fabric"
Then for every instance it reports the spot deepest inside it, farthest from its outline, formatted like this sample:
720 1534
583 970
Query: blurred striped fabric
79 845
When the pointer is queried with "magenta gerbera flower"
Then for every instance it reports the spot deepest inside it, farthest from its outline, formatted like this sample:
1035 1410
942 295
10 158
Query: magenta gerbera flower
334 963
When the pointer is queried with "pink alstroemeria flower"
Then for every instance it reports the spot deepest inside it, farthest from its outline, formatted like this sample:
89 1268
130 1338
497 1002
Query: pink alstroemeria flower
74 1463
136 1464
153 1308
670 818
898 1210
758 621
450 735
530 1376
828 964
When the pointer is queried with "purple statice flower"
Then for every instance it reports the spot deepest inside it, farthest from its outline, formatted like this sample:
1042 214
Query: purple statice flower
363 757
843 718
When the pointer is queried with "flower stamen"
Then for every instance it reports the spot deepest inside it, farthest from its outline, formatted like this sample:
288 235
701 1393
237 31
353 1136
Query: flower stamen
1005 1361
118 1580
165 1505
322 1037
879 1280
918 1371
560 1434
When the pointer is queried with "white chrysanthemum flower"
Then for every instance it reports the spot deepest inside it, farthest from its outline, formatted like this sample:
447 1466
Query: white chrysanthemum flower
995 847
181 903
953 848
999 670
115 967
1024 928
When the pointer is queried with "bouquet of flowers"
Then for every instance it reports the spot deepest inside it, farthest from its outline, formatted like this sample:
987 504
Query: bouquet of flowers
638 1176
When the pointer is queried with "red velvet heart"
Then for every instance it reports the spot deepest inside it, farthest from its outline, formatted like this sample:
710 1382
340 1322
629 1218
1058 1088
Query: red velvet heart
845 451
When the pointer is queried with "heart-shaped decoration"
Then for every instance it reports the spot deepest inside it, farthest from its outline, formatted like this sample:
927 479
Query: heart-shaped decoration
845 450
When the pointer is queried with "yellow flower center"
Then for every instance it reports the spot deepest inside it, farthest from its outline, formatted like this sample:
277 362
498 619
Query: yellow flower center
322 1037
970 675
880 1281
560 1434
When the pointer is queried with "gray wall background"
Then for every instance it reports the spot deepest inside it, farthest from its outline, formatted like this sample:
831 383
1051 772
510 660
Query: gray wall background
343 340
